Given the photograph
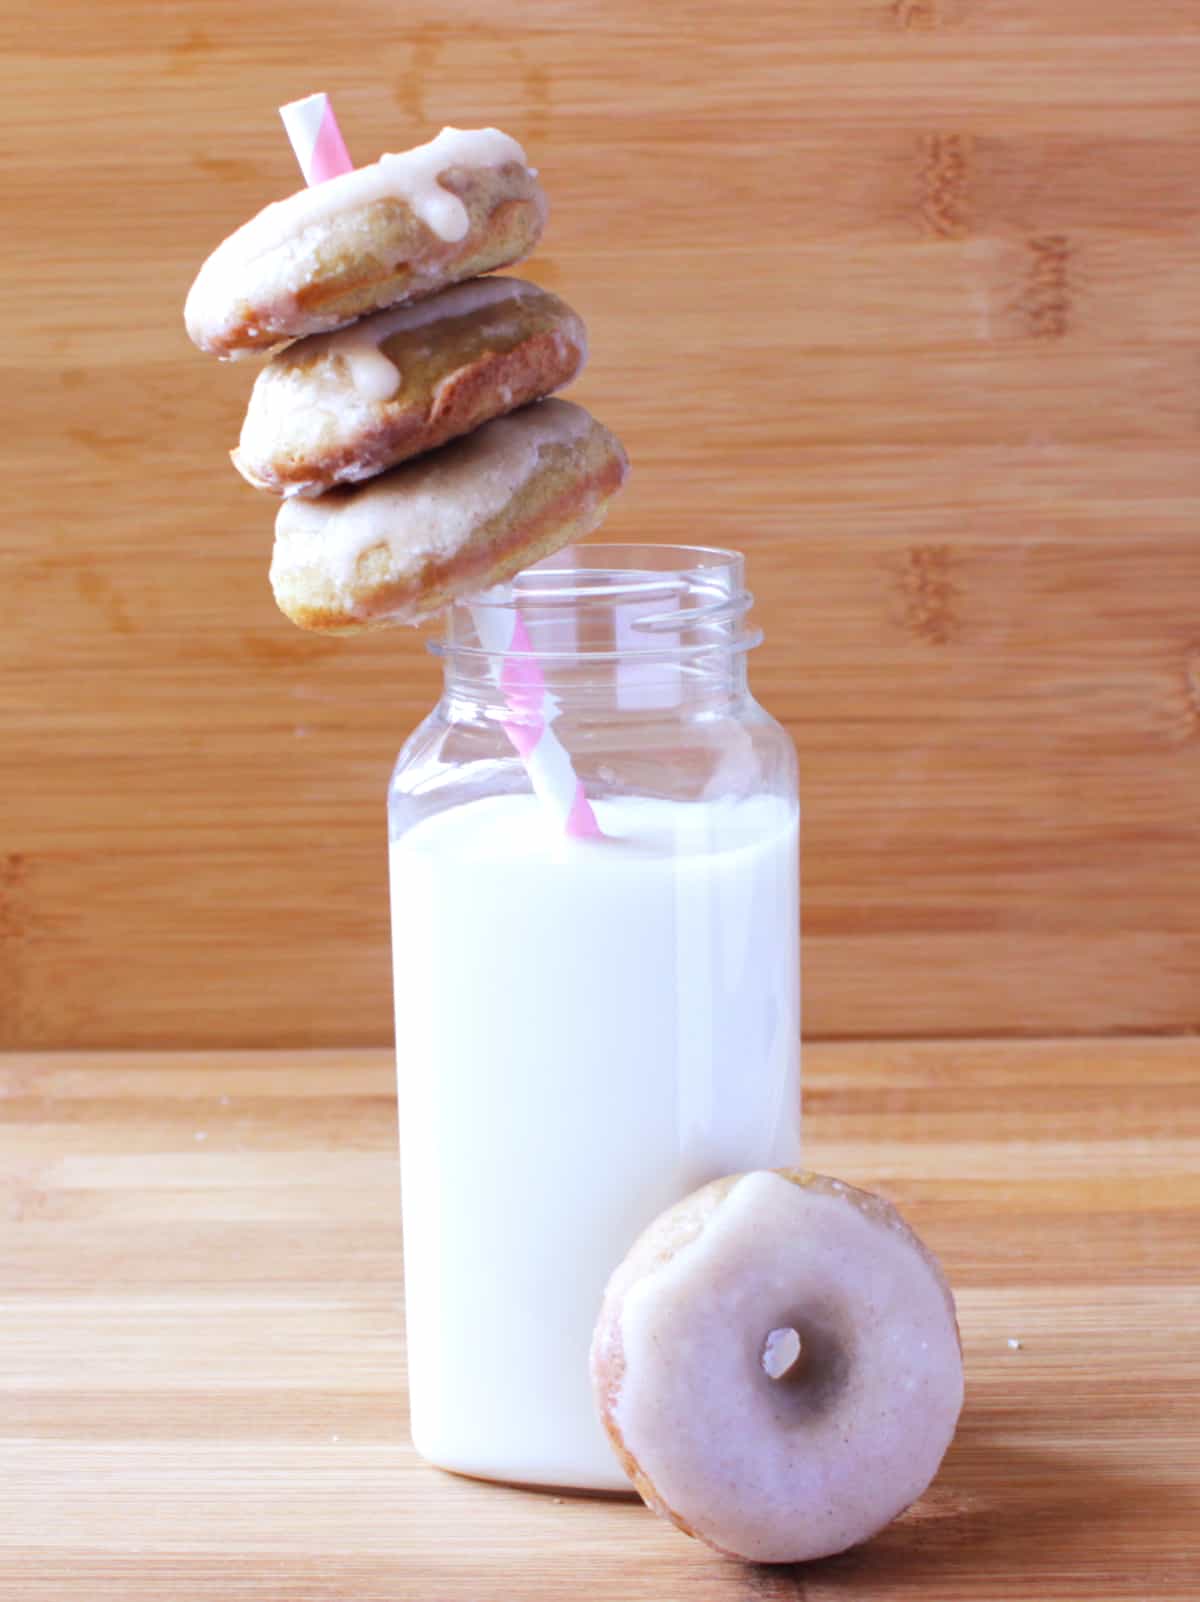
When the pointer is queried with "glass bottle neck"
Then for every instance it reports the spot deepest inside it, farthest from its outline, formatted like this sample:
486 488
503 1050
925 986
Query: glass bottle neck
619 628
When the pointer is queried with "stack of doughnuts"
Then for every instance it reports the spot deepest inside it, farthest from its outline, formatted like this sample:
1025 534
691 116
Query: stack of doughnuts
401 415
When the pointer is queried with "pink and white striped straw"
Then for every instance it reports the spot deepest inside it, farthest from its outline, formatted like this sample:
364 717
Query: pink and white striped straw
518 673
316 138
321 152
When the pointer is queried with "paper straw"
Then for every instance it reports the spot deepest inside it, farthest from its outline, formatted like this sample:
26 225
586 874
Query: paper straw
322 154
518 674
316 138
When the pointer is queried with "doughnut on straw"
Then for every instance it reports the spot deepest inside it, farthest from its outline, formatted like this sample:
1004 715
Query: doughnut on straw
321 153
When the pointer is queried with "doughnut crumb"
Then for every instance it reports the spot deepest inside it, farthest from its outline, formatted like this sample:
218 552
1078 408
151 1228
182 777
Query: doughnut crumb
782 1353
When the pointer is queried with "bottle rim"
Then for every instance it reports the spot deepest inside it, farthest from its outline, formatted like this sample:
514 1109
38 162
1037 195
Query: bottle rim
695 591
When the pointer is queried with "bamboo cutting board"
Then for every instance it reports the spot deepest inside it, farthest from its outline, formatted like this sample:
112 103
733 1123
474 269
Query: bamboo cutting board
898 295
202 1366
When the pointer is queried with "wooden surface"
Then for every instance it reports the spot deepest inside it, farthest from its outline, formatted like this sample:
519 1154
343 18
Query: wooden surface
202 1368
899 295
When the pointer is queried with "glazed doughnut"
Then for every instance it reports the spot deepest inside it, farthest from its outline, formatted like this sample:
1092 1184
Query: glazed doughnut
336 408
447 524
398 230
777 1364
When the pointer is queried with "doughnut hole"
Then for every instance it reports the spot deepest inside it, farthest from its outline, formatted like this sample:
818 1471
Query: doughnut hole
804 1363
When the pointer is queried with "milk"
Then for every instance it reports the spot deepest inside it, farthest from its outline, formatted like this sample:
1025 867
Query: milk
586 1030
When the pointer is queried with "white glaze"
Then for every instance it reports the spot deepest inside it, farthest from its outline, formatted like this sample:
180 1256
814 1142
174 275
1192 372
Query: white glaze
374 375
430 506
409 175
586 1030
721 1442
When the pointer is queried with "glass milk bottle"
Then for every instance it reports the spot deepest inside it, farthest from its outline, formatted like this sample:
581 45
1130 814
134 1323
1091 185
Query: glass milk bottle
586 1028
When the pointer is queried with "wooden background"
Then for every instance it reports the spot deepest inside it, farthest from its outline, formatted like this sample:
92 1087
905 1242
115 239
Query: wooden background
899 295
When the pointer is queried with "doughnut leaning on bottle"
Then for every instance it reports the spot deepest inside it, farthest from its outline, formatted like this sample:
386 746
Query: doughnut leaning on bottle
373 400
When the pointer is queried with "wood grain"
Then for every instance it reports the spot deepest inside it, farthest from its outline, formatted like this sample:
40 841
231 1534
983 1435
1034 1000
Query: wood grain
898 295
202 1366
